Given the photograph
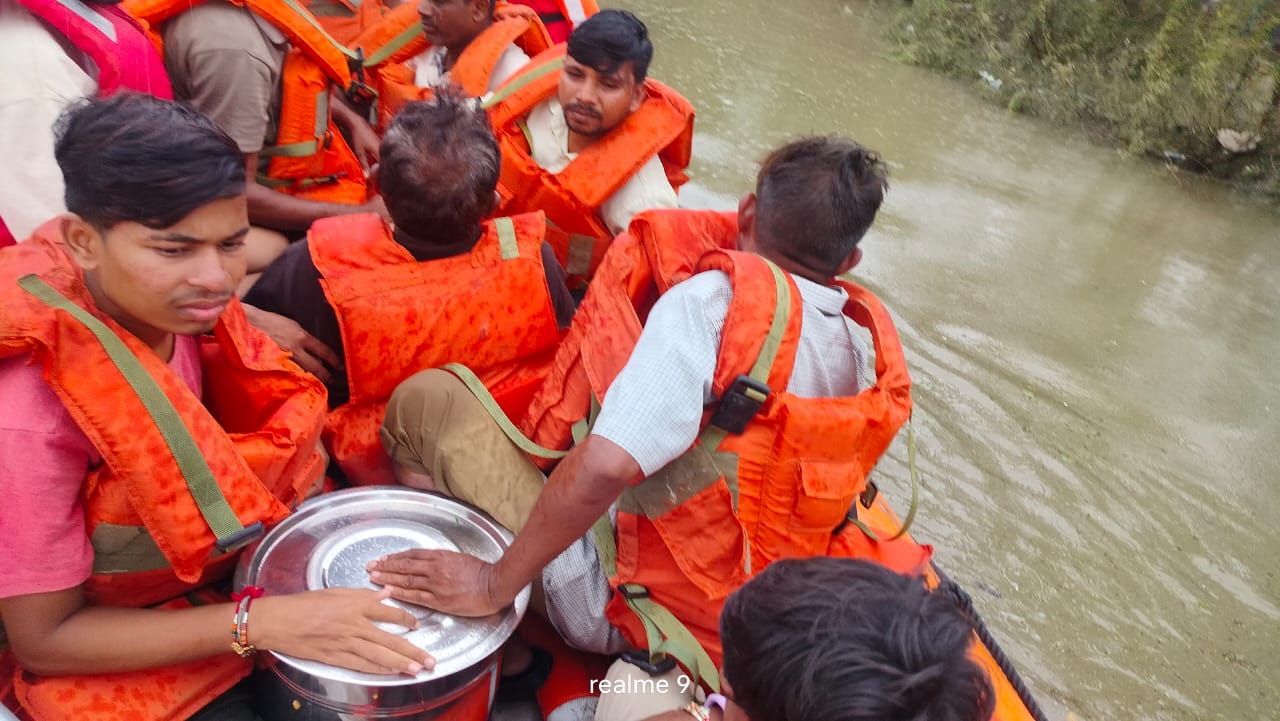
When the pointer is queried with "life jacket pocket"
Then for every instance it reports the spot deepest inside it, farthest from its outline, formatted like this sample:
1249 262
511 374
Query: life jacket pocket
824 493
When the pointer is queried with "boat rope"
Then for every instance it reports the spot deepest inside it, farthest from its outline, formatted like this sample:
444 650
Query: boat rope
962 600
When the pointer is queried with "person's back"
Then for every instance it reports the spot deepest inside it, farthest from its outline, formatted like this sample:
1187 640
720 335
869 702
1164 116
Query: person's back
594 142
488 294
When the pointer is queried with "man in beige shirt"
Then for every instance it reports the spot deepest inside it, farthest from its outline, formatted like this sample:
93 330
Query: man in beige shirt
227 62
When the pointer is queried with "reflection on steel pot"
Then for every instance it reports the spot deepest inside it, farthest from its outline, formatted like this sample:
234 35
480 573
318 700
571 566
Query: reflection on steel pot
327 544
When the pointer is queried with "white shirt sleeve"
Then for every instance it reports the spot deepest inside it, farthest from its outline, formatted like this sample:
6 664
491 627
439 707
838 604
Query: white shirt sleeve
40 81
653 409
649 188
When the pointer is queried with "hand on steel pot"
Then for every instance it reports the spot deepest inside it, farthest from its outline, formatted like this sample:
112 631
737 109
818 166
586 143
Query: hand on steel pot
335 626
444 580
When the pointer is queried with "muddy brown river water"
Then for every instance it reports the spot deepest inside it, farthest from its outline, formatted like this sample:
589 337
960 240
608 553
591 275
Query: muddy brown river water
1095 347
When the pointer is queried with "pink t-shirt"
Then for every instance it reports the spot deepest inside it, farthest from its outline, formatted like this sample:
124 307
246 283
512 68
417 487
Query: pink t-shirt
44 459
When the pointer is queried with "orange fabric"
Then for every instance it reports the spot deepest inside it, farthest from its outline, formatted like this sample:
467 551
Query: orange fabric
347 24
799 464
399 316
662 126
257 432
474 67
311 69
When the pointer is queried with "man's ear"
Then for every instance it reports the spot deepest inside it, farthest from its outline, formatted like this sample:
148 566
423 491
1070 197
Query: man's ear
479 10
83 241
493 206
848 263
638 93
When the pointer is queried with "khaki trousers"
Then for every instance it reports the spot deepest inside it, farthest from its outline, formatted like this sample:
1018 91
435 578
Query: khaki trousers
434 425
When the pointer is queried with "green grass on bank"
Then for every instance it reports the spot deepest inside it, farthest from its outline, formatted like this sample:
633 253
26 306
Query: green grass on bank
1192 82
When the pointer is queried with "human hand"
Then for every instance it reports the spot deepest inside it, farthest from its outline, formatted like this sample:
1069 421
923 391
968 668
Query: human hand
336 626
365 144
444 580
308 351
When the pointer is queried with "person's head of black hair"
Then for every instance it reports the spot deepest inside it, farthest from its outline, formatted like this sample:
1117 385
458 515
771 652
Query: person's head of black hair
816 198
133 157
838 639
439 168
610 39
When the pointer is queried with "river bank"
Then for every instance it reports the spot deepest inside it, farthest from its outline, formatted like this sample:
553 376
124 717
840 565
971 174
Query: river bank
1189 83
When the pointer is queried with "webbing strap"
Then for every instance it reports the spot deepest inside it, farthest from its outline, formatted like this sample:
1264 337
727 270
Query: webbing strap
482 394
393 45
195 470
507 244
310 19
915 493
666 635
519 82
292 150
712 436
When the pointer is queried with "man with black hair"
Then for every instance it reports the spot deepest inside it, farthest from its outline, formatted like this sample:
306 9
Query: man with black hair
593 142
729 423
444 286
839 639
146 431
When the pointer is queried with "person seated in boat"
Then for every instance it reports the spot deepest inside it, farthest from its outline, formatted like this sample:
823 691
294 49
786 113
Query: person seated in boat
147 433
264 74
444 286
587 138
727 424
111 52
856 642
473 44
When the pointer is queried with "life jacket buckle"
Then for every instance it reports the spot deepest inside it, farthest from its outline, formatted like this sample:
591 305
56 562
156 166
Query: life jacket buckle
652 665
868 495
241 538
740 404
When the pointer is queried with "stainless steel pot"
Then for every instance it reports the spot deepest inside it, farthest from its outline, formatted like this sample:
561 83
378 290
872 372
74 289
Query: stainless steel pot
327 544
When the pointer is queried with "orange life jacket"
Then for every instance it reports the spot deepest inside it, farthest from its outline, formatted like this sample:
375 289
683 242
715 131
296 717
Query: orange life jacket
310 158
398 37
256 434
346 19
703 525
489 309
560 16
662 126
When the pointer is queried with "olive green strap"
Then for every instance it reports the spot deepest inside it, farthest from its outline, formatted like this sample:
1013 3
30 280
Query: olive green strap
393 45
195 470
292 150
310 19
915 481
482 394
508 245
519 82
665 634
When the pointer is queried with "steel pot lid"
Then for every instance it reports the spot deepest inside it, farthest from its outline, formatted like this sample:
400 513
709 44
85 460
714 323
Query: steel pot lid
330 539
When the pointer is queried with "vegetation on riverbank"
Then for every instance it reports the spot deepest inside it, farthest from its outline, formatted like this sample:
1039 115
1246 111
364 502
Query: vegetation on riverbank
1193 82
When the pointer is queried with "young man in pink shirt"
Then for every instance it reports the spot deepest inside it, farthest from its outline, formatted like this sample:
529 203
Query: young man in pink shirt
134 392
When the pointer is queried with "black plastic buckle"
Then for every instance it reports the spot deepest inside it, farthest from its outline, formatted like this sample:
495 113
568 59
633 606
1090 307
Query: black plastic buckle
628 592
361 93
241 538
740 404
643 661
868 495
